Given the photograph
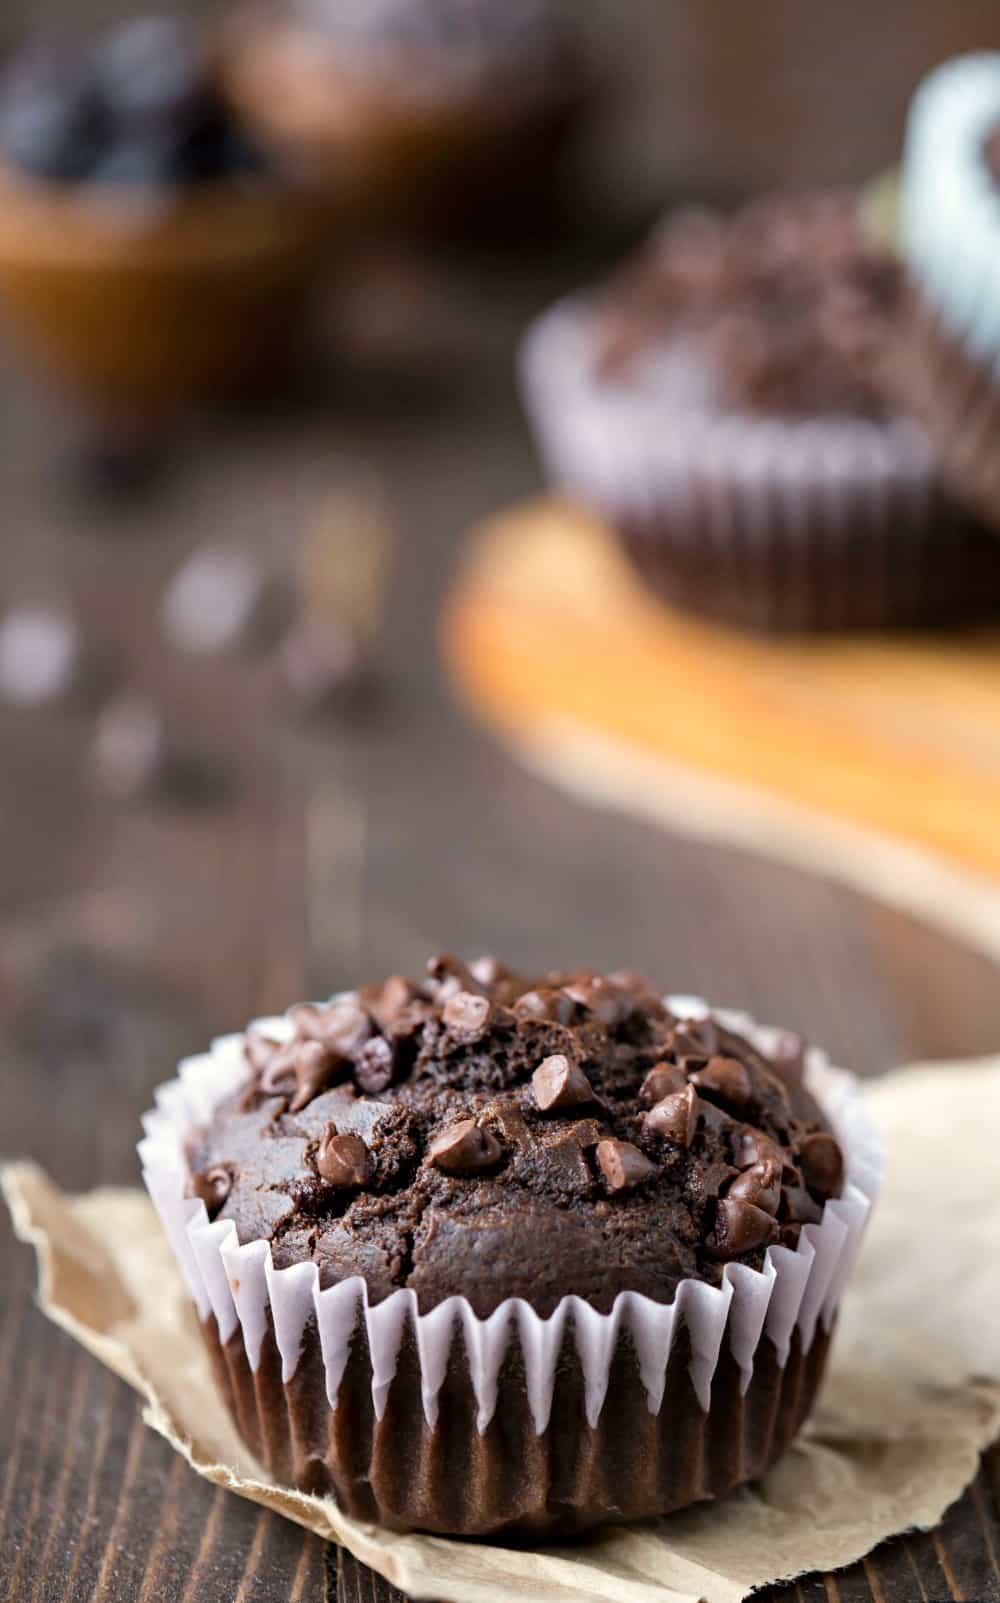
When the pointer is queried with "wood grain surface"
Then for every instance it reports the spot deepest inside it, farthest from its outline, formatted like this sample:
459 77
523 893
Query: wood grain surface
897 734
128 935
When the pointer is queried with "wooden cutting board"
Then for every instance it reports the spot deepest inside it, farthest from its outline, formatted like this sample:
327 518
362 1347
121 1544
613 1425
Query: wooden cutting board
546 629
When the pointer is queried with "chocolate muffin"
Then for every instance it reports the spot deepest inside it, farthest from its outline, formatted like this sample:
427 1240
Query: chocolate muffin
950 213
515 1244
728 403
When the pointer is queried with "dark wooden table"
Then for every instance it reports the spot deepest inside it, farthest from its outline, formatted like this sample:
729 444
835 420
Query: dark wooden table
128 935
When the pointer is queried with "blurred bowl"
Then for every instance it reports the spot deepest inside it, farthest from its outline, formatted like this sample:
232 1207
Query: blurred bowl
141 299
387 147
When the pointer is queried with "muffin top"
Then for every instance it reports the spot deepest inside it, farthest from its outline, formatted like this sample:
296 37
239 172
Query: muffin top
786 307
479 1133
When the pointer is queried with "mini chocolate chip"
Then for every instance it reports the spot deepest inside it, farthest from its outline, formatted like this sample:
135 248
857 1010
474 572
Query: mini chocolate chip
726 1078
639 989
760 1185
740 1227
752 1146
448 975
317 1065
397 993
466 1016
407 1021
559 1083
489 971
697 1038
662 1079
542 1005
789 1055
623 1165
212 1187
798 1206
343 1025
343 1160
822 1164
278 1077
598 996
675 1117
376 1064
464 1148
259 1049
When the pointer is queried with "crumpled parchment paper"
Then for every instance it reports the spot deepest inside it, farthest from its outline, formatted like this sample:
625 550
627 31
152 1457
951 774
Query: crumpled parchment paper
912 1397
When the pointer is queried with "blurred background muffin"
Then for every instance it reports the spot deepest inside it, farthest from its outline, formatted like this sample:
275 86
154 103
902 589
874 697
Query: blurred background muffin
150 252
723 402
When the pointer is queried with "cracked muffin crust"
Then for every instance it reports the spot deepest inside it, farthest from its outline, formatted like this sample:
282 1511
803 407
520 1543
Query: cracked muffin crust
480 1133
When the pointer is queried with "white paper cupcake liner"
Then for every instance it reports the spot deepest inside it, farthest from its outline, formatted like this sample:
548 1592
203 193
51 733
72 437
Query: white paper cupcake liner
239 1285
635 449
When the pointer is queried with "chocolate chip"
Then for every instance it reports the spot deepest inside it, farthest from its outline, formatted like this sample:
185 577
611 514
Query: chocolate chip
662 1079
727 1079
675 1117
489 971
259 1049
598 996
822 1164
466 1016
343 1160
623 1165
788 1055
694 1038
396 994
448 975
797 1206
464 1148
543 1005
409 1021
343 1025
740 1227
559 1083
317 1065
376 1065
278 1077
212 1187
760 1185
752 1146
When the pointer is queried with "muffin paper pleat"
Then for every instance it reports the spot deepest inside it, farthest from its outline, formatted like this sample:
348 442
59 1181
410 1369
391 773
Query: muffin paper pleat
237 1288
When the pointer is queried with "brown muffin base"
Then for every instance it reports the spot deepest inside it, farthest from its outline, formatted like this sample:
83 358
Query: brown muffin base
860 567
957 398
402 1474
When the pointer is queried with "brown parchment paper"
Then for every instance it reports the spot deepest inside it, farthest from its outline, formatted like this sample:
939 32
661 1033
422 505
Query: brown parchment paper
913 1393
